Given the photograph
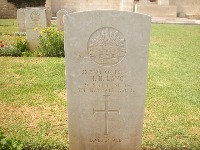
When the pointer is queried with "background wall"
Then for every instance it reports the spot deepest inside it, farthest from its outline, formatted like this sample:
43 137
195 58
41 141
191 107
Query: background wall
190 7
7 10
81 5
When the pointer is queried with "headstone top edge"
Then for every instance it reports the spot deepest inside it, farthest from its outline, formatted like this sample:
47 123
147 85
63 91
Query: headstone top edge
61 10
40 8
108 11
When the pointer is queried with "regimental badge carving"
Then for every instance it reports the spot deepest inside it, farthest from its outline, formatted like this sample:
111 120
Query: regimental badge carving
35 16
107 46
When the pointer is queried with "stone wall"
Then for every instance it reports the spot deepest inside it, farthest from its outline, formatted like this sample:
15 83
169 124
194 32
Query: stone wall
7 10
82 5
157 10
191 8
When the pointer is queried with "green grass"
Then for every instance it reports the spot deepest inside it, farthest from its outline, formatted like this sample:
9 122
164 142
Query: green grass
8 26
172 115
33 106
32 100
7 29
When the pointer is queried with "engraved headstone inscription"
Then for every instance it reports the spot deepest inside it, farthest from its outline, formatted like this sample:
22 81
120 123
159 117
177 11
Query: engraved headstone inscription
35 20
47 11
106 56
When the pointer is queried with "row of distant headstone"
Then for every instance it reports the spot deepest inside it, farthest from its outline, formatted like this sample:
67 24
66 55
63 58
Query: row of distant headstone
33 20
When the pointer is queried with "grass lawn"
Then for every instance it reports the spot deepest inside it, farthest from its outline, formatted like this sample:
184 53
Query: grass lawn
8 27
33 106
172 115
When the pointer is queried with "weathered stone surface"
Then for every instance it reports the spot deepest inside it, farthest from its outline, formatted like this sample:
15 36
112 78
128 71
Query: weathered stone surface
47 11
49 15
83 5
60 15
106 55
21 20
163 2
157 10
35 20
143 2
7 10
189 7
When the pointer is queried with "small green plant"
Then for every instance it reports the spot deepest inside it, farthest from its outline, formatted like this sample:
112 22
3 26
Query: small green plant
20 33
51 42
22 45
18 48
10 51
9 144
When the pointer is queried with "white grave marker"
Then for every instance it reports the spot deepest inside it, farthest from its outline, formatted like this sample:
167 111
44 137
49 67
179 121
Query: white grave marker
21 19
60 15
106 55
36 19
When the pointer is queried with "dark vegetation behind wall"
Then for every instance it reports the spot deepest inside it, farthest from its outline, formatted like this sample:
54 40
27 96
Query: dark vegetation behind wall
27 3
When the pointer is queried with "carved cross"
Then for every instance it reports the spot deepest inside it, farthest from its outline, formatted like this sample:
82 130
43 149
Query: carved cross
106 111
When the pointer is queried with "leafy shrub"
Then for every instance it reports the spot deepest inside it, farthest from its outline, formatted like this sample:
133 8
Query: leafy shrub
9 144
21 44
18 48
10 51
51 42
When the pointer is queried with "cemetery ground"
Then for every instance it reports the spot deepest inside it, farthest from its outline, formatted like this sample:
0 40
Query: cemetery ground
33 109
8 27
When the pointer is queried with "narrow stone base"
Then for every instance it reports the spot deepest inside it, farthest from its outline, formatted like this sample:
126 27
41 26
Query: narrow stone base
157 10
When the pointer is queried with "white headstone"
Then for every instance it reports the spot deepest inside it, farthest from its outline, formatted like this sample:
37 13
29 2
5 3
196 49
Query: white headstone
48 13
106 55
21 19
59 16
35 21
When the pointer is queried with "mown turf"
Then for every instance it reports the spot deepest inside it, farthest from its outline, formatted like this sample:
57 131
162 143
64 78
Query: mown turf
8 27
33 106
32 100
172 115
